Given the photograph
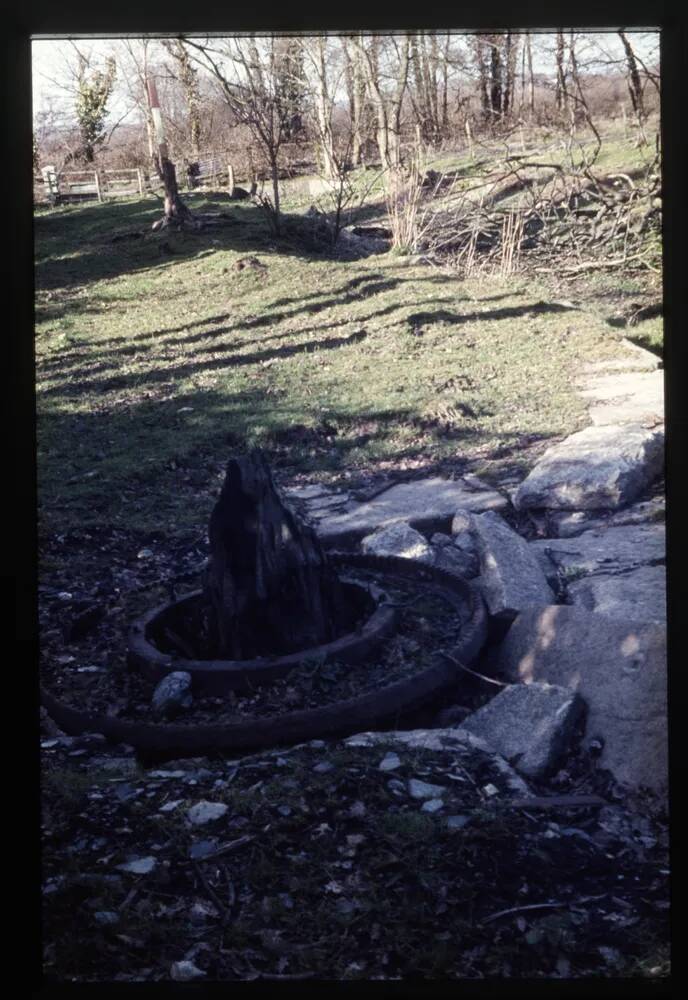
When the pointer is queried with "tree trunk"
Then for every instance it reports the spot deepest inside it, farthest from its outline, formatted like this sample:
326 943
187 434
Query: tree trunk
561 93
531 78
268 586
175 211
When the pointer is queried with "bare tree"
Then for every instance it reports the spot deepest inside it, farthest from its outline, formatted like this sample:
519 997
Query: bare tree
386 94
561 93
246 70
635 87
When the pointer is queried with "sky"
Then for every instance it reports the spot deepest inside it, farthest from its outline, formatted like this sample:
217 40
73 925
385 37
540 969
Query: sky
50 57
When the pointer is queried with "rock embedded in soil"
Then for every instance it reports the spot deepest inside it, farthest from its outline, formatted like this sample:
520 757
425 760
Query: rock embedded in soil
598 467
530 725
398 540
426 504
617 667
511 577
173 694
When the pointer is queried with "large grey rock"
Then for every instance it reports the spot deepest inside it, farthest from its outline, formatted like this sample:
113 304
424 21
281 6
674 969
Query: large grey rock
398 540
625 397
428 505
454 558
599 467
604 550
531 725
511 577
639 596
618 668
172 694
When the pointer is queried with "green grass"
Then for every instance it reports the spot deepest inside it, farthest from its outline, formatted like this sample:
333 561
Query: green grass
156 359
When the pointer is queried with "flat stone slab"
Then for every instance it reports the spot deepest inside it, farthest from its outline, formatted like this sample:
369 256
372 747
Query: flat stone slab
427 505
639 596
568 524
617 667
625 397
636 359
604 550
511 577
530 725
596 468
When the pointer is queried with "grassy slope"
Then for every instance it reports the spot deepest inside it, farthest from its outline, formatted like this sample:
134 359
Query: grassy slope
155 358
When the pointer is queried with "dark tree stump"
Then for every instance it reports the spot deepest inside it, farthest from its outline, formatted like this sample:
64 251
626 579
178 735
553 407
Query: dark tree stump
268 586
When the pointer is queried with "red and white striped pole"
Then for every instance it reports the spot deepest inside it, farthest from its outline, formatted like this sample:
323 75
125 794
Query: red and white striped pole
156 115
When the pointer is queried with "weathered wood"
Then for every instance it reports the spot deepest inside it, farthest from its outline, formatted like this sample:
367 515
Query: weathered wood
268 587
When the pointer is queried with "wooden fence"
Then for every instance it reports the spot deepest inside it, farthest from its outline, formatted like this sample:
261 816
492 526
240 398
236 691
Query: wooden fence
87 185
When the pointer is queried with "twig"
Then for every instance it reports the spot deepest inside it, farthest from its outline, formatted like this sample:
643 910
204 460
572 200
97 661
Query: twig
233 845
539 906
222 909
474 673
556 802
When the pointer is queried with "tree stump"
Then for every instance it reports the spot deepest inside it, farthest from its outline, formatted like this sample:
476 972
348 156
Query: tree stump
268 588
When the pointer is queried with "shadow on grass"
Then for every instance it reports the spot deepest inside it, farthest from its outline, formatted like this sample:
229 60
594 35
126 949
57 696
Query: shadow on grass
61 371
77 245
160 461
71 387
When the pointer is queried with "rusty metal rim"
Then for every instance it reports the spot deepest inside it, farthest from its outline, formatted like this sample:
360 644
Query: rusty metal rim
220 676
342 718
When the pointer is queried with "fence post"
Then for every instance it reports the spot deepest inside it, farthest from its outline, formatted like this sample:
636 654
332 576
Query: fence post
470 138
139 178
50 181
98 191
230 179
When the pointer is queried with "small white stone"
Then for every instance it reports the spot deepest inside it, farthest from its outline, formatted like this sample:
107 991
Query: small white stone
183 972
205 812
490 790
423 790
390 762
432 806
138 866
169 806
